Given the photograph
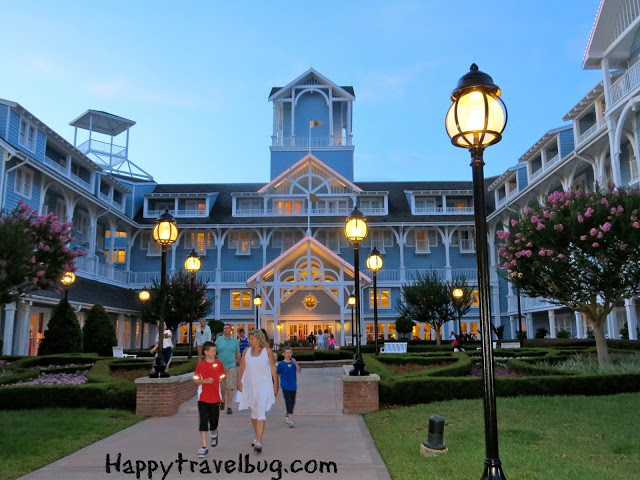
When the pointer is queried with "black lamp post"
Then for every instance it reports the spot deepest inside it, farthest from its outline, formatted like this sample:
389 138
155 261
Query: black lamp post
476 120
67 279
356 231
165 233
374 263
458 294
192 265
144 295
519 310
257 301
352 303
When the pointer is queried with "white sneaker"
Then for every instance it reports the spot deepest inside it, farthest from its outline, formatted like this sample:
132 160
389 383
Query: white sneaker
203 452
289 422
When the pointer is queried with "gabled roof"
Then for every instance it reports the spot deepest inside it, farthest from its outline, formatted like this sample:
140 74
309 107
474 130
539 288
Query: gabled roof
543 141
295 252
277 92
305 160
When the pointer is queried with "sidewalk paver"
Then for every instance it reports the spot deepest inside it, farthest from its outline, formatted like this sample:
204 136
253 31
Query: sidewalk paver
322 434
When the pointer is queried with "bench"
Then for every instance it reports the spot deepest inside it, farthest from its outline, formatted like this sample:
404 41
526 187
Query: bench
509 344
118 352
394 347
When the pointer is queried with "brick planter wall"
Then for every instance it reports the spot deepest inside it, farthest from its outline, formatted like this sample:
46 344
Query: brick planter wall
360 394
162 397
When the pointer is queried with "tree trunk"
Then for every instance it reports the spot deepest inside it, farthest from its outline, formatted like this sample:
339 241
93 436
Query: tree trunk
438 335
601 341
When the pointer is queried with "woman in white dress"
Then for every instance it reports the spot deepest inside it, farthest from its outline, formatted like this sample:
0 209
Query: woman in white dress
257 383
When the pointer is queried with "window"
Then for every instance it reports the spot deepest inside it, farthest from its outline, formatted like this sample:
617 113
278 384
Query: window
378 239
423 239
633 167
195 207
119 255
82 223
24 182
383 297
147 243
107 234
199 241
425 205
467 241
241 299
61 210
289 207
243 242
373 205
249 206
285 240
475 302
27 137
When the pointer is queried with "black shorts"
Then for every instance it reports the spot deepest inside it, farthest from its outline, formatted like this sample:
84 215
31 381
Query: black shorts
209 414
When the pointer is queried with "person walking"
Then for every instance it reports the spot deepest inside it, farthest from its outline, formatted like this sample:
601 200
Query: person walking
320 340
287 373
207 377
257 383
228 352
243 341
332 342
167 348
203 335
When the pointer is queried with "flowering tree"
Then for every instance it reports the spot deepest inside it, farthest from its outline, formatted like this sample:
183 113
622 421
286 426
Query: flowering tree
34 252
580 250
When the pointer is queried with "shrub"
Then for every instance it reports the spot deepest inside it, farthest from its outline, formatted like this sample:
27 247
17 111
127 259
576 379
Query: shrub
99 334
63 334
542 332
563 334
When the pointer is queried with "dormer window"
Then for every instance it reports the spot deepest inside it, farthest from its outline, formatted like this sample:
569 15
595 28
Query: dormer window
192 207
118 197
249 206
27 136
289 207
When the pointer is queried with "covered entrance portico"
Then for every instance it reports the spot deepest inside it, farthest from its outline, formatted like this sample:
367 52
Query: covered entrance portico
304 289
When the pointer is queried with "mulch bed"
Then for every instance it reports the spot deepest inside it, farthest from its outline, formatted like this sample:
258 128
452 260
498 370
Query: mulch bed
131 375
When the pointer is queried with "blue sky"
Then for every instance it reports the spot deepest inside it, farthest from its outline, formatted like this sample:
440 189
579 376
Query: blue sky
195 75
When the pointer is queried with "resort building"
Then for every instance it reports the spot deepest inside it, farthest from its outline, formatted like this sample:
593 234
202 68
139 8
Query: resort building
284 239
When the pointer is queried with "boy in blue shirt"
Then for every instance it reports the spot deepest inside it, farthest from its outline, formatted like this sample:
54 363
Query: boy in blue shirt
287 373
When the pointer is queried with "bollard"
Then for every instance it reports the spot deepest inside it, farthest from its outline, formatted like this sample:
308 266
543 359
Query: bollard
434 443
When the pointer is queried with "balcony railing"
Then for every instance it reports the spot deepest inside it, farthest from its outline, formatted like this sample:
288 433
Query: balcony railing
83 183
103 148
443 210
56 166
590 131
179 213
553 160
303 141
302 212
91 267
624 85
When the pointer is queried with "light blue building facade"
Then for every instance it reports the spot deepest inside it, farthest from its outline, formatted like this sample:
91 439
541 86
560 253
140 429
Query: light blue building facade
284 239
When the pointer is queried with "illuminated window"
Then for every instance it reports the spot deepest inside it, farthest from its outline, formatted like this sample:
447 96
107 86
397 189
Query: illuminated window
243 242
241 299
383 297
119 255
198 241
289 207
107 234
475 302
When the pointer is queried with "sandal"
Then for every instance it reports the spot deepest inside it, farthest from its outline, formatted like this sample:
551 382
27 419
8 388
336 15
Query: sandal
253 444
257 447
214 440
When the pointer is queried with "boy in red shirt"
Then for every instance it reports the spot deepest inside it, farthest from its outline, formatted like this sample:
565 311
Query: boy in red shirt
207 376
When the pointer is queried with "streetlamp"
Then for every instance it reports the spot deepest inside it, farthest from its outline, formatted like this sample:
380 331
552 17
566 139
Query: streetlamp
192 265
144 295
458 294
67 279
374 263
356 231
476 120
165 233
257 301
352 303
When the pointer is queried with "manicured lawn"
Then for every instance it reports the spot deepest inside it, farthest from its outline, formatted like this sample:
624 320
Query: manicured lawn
32 439
541 438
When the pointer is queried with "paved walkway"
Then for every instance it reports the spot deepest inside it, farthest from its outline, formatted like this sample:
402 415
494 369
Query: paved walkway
322 434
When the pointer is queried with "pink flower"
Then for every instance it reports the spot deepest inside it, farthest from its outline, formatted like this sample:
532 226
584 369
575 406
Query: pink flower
580 219
593 232
40 273
559 227
583 237
502 235
595 244
540 226
561 255
529 244
604 201
32 260
636 225
527 253
606 227
542 253
535 219
514 222
589 212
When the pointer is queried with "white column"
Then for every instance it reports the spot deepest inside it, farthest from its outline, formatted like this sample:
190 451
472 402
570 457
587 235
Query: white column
632 319
515 326
22 330
422 331
121 330
530 332
9 320
552 323
579 328
612 325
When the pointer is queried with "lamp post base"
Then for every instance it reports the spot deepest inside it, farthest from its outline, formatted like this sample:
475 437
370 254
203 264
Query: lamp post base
492 470
358 367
